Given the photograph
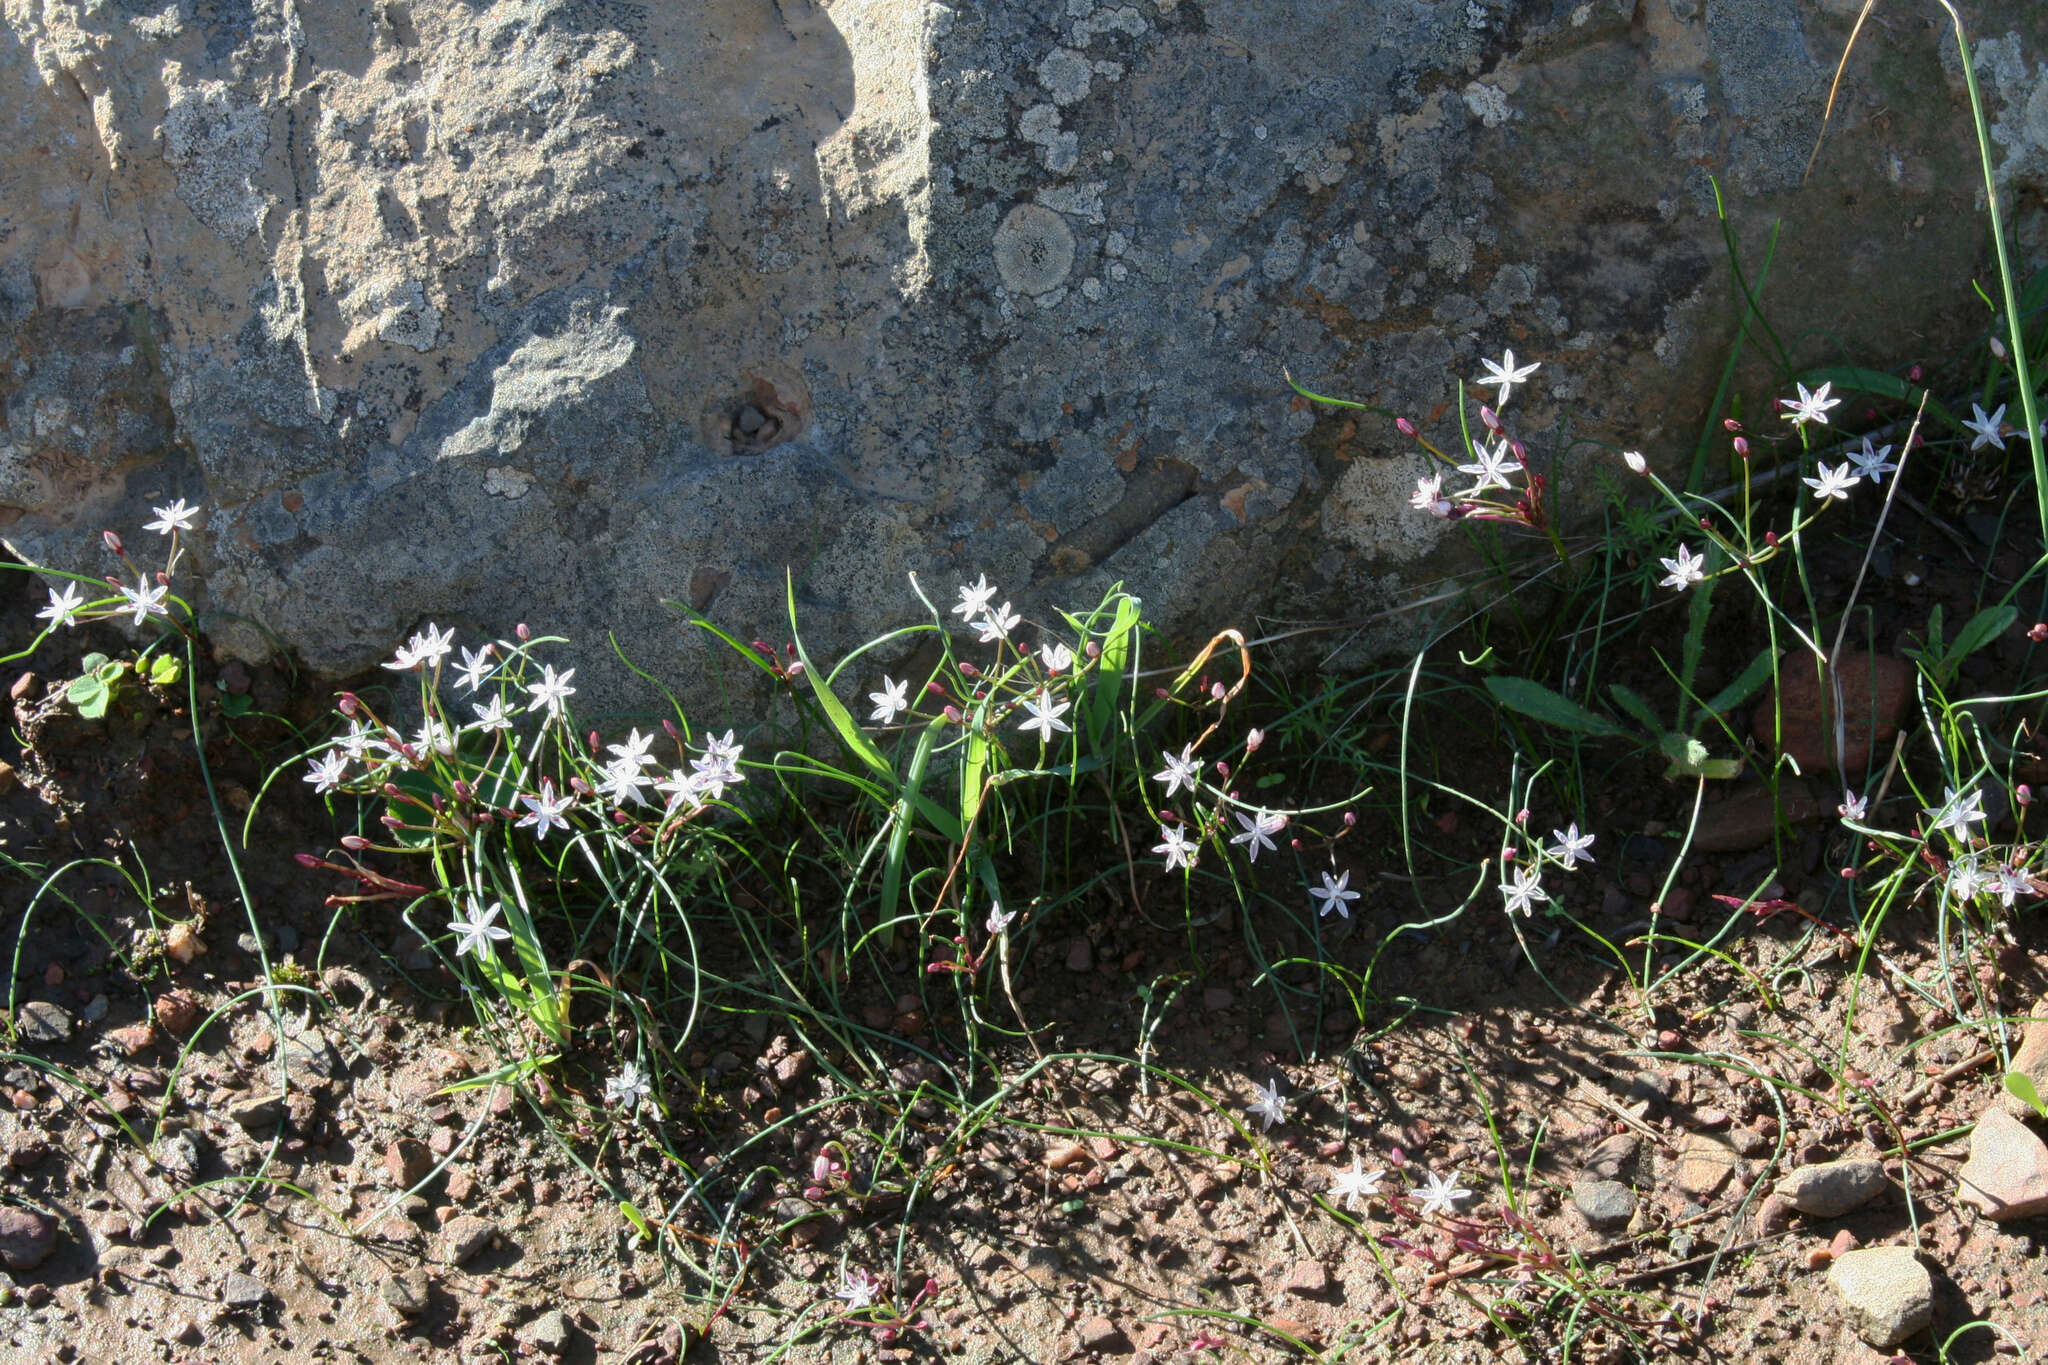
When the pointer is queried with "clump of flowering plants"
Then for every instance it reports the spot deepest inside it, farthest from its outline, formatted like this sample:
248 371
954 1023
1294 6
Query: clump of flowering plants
142 596
1494 480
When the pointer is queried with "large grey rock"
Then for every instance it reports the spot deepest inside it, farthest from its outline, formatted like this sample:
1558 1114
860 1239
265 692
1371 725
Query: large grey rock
2006 1176
1829 1189
548 309
1887 1294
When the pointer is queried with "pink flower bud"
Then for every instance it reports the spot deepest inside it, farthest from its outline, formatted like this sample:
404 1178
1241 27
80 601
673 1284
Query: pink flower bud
1223 769
952 713
1635 461
1731 424
1742 446
354 843
113 541
305 860
795 670
348 704
1507 855
1404 426
2023 794
1998 348
463 791
1217 691
1161 693
1488 419
1915 373
391 790
522 632
968 670
821 1168
1771 539
1253 738
393 822
2038 632
673 733
1093 649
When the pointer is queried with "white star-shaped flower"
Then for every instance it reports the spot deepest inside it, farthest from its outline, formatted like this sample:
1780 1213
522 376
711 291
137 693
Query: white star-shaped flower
1441 1194
176 517
1429 496
552 690
1045 715
891 701
1570 848
1056 657
858 1288
1178 848
1966 881
974 600
423 650
1258 831
329 771
1269 1106
1871 463
473 933
1332 895
493 716
1853 807
1184 771
999 918
1523 892
1495 466
997 624
146 598
63 608
1355 1184
1958 813
1990 427
2012 883
1809 407
633 753
545 811
1685 570
622 784
476 666
627 1089
1506 375
1833 483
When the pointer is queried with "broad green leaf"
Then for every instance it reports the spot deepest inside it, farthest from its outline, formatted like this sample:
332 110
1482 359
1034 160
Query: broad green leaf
1745 684
1108 676
1631 701
633 1216
2021 1087
164 669
1980 630
1535 700
843 724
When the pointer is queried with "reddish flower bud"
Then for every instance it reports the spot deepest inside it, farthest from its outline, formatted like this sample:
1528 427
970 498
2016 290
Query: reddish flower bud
1162 693
936 688
1488 418
1742 446
354 843
968 670
1914 372
391 790
305 860
1217 691
1706 525
113 541
1404 426
1350 818
1731 424
1521 452
795 670
393 822
952 713
2023 794
1848 874
673 732
2038 632
463 791
1771 539
348 704
1223 769
522 632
